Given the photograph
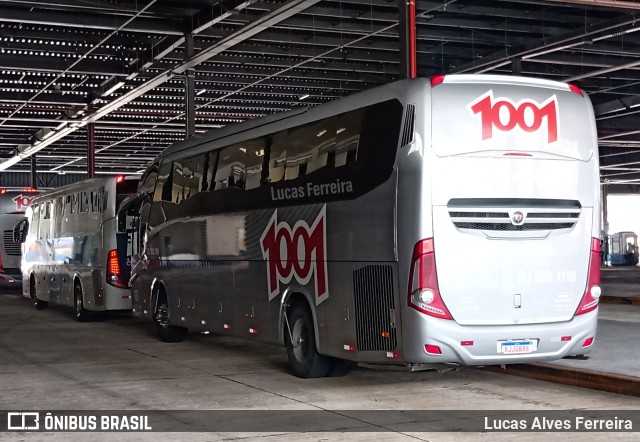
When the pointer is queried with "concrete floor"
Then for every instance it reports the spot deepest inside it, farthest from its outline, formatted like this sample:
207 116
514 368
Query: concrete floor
50 362
618 337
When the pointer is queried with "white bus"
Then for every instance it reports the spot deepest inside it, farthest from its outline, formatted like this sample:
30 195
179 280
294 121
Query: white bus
13 204
453 220
75 248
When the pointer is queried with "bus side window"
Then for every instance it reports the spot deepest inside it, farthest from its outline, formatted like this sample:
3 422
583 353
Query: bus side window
209 172
164 186
35 221
45 221
348 138
20 231
277 157
188 177
156 184
240 165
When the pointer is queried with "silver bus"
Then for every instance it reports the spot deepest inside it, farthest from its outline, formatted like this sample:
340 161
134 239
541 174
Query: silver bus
447 220
75 248
13 204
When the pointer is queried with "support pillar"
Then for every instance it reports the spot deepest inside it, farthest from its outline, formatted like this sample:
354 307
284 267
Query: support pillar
516 66
605 222
407 35
190 93
91 150
34 175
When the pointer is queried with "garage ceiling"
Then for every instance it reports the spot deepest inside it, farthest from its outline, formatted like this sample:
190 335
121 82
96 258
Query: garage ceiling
123 65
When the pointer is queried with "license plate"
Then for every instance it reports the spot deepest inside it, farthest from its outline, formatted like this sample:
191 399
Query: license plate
518 347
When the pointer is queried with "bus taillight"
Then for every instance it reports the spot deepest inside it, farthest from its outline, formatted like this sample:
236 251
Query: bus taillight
592 293
437 79
424 294
575 89
114 277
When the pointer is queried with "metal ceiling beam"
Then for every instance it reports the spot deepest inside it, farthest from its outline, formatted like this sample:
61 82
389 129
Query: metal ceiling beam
603 71
547 45
511 10
291 8
200 22
47 17
603 3
282 13
57 65
621 105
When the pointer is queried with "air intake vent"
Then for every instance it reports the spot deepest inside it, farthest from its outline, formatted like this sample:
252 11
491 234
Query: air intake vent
10 247
514 215
511 228
409 120
375 309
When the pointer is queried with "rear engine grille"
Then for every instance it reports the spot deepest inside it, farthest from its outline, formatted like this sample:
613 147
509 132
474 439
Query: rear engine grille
11 247
535 215
375 309
511 228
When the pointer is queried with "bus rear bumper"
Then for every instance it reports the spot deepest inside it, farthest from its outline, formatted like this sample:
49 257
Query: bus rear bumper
117 298
482 345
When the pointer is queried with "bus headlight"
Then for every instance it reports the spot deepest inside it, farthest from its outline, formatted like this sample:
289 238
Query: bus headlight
595 291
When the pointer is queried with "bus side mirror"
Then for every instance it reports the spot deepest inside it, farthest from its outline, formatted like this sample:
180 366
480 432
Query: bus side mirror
20 231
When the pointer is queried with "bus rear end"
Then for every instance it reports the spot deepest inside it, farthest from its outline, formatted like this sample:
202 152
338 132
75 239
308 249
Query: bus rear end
508 268
117 247
10 274
13 204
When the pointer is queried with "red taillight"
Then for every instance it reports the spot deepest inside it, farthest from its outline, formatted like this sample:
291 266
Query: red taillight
437 79
424 294
575 89
433 349
592 293
119 179
3 191
587 342
114 277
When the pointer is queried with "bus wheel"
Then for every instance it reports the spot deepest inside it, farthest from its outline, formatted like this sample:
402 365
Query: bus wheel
339 368
38 304
82 315
166 331
304 359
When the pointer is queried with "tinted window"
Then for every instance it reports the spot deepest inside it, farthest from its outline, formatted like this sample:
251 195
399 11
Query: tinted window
351 153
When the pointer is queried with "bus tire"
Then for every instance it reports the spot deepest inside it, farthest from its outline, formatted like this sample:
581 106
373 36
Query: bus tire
166 331
339 367
304 359
82 315
37 303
